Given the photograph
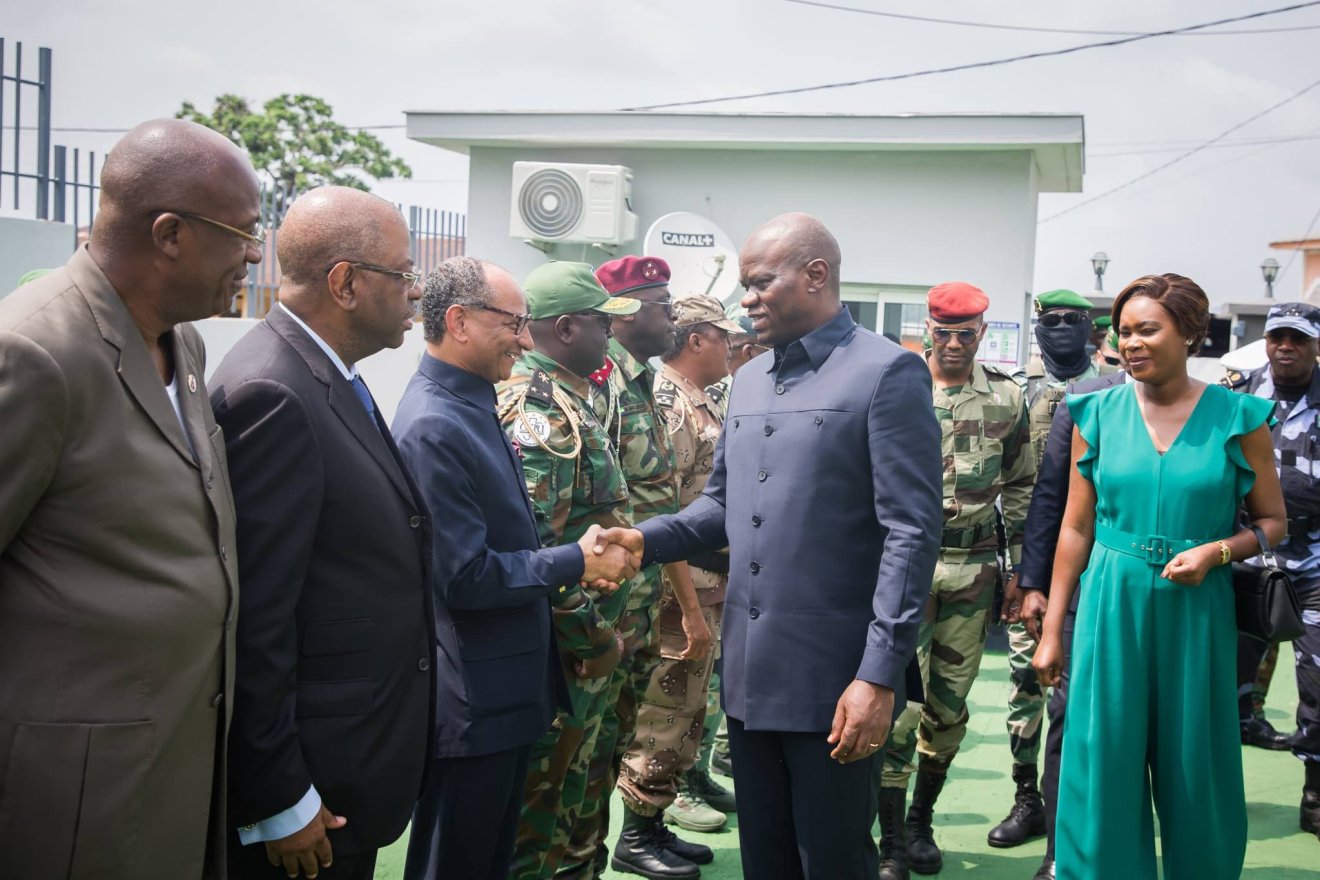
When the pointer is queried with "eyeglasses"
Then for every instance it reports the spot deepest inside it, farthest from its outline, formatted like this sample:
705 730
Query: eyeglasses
519 321
603 318
409 278
966 336
256 236
1053 319
666 304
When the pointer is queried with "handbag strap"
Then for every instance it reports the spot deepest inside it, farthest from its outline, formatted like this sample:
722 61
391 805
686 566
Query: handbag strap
1266 552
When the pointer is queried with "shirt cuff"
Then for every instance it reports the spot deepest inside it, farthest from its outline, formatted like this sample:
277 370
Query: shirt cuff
884 668
295 818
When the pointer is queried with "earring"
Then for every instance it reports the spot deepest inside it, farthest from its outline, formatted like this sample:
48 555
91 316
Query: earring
1190 341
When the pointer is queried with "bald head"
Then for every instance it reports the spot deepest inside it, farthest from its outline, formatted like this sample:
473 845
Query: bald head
800 238
168 165
333 223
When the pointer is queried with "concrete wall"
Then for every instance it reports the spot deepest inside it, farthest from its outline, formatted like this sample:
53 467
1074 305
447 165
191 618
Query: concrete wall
31 244
902 218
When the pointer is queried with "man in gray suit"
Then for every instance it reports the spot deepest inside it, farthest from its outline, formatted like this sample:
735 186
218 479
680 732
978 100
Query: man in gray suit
118 578
826 490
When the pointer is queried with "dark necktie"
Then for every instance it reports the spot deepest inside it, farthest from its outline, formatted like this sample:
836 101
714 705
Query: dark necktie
360 389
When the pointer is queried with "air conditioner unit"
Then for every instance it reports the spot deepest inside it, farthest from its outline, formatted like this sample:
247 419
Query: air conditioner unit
573 204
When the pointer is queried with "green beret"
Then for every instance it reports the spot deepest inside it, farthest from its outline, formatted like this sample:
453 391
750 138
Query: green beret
1104 321
563 288
1061 299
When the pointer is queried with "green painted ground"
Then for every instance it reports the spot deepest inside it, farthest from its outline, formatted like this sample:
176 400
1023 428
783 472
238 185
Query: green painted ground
980 792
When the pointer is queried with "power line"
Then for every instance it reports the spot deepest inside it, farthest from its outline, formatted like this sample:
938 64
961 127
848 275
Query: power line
1035 30
1251 142
978 64
1305 237
1192 152
77 129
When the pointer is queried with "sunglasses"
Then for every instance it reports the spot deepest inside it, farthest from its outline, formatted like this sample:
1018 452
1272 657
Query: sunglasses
1053 319
519 321
666 304
966 335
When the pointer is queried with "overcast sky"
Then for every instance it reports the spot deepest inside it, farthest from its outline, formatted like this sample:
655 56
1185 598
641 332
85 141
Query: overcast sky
1210 217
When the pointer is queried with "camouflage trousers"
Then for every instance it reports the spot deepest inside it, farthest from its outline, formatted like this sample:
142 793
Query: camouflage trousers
671 718
596 771
1026 698
715 730
949 647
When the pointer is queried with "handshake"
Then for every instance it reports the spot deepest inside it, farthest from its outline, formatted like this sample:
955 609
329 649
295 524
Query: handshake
610 556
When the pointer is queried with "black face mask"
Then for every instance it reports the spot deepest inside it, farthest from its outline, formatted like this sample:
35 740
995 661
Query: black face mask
1063 348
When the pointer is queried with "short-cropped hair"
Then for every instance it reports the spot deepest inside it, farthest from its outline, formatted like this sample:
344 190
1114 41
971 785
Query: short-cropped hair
458 281
1180 296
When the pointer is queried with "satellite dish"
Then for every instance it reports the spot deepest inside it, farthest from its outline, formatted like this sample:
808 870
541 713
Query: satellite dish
701 257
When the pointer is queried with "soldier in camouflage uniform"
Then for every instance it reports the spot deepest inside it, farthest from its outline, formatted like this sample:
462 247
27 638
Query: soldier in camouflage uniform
574 480
1063 329
1292 380
672 712
987 457
647 458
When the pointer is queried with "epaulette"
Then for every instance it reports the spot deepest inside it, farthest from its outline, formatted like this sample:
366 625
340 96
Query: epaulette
1235 379
666 394
998 373
715 393
1034 370
540 387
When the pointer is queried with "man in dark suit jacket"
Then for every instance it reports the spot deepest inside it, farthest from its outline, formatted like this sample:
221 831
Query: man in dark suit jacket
118 577
334 689
1040 537
490 576
827 491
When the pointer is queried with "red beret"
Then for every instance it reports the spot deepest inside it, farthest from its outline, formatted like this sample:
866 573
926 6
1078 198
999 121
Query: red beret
632 273
955 301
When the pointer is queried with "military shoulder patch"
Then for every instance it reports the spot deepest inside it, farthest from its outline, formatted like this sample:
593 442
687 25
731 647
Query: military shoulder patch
666 395
540 387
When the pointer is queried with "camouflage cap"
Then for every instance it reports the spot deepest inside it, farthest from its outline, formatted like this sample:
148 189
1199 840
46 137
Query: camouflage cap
1302 317
702 309
1061 299
563 288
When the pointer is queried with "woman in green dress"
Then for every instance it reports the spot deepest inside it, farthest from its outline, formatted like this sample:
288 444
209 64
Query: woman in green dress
1161 466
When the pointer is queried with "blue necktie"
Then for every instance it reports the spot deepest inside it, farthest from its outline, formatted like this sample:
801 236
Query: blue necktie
360 389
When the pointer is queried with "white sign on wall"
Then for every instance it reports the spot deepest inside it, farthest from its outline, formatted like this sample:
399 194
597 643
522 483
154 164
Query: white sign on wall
1000 346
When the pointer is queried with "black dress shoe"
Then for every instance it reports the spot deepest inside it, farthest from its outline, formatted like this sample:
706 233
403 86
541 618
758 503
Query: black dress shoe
1046 871
1260 733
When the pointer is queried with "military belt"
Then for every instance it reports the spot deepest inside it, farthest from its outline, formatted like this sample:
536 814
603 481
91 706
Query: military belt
1153 549
717 563
961 539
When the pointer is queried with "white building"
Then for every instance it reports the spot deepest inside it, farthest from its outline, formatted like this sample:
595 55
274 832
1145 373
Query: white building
913 199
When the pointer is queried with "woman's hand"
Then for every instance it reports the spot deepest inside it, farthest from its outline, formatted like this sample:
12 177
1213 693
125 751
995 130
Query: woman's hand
1048 660
1190 567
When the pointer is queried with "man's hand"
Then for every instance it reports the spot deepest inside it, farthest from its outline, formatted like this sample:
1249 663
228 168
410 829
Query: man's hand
1012 608
605 568
861 721
1034 605
698 636
308 849
599 667
630 539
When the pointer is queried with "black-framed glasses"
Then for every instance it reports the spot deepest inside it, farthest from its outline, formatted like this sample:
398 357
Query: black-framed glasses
966 335
257 235
1053 319
519 321
409 278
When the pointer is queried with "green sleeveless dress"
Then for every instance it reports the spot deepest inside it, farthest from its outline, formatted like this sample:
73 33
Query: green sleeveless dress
1152 702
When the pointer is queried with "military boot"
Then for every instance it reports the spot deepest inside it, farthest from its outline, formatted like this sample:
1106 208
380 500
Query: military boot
698 782
924 857
638 851
1027 818
696 853
1311 799
893 836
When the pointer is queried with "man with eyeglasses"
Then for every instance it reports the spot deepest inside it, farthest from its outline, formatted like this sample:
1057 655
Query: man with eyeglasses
570 463
1065 332
1292 380
118 570
336 636
491 577
986 447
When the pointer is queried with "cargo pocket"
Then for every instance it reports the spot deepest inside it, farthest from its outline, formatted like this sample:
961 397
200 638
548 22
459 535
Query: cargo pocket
72 802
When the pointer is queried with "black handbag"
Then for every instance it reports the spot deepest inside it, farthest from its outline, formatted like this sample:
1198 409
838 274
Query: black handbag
1266 603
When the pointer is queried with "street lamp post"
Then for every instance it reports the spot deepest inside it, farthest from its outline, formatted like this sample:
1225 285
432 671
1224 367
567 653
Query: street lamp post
1269 270
1098 263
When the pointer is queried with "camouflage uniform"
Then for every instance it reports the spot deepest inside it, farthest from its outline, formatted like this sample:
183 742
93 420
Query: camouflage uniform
1026 698
987 453
647 459
574 480
671 717
1297 457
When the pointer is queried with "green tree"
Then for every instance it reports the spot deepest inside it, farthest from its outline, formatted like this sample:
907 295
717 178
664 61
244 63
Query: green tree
296 144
